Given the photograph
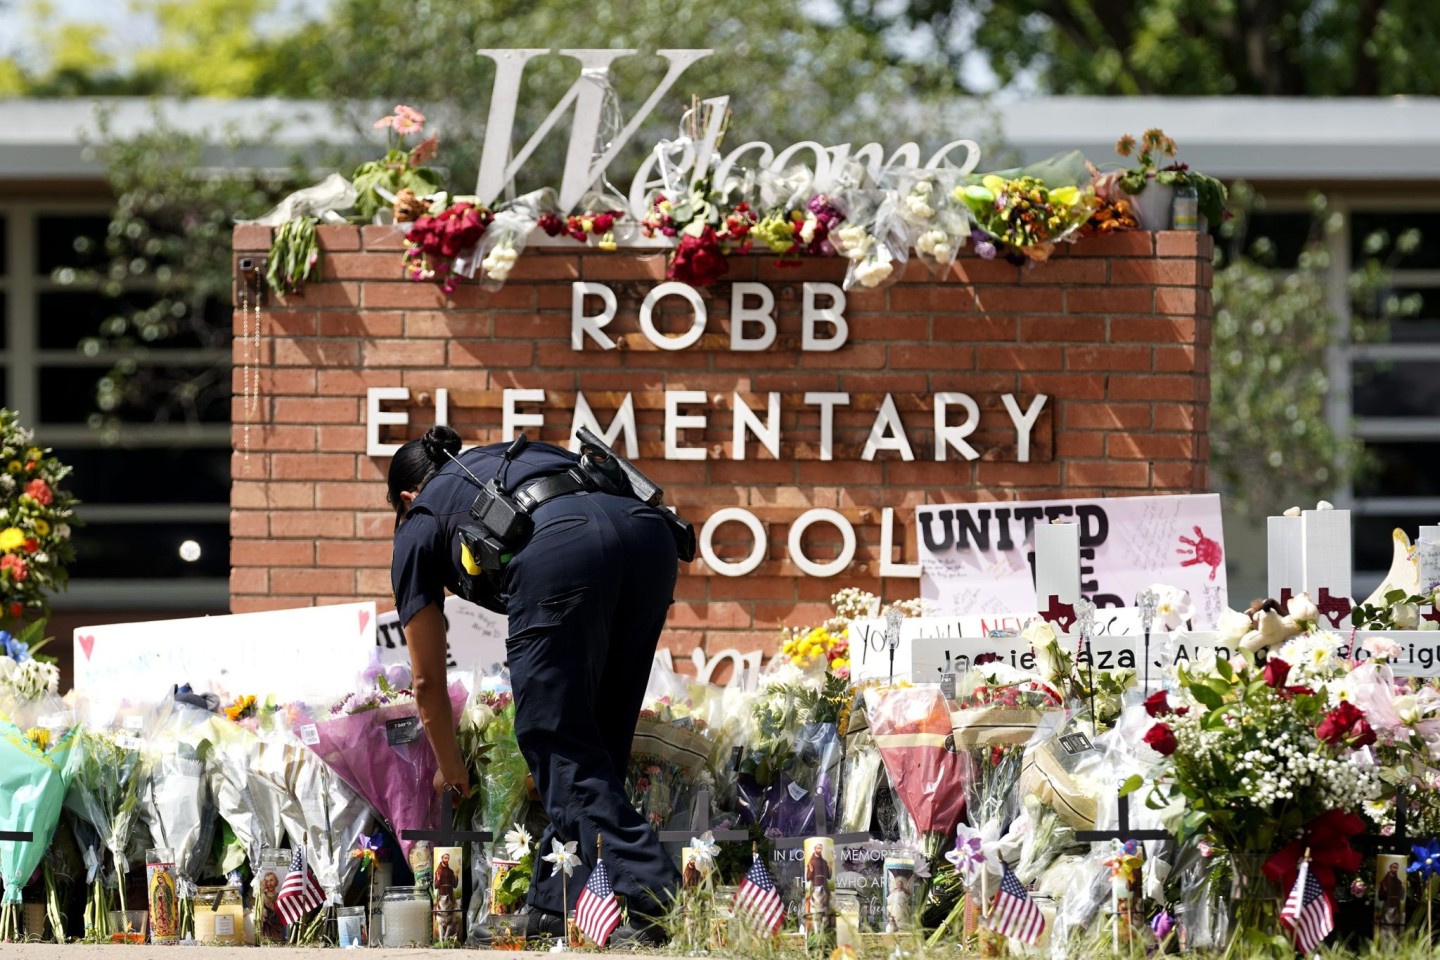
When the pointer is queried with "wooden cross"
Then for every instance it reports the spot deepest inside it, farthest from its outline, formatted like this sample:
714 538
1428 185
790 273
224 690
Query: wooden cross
821 830
452 836
1123 829
700 822
1060 614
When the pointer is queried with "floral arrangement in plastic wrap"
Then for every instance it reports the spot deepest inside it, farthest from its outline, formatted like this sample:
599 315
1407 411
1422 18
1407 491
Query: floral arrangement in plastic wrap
1024 213
36 515
436 242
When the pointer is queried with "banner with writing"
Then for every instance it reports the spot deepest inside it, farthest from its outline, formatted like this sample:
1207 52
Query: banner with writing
980 557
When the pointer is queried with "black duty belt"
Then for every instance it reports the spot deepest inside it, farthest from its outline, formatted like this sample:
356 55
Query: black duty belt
531 495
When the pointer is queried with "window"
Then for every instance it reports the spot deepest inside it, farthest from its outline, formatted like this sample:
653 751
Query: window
149 488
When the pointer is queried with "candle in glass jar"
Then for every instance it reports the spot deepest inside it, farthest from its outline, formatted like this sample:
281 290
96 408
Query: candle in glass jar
406 916
219 916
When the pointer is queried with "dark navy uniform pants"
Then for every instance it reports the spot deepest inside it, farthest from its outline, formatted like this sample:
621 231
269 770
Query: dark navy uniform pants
587 598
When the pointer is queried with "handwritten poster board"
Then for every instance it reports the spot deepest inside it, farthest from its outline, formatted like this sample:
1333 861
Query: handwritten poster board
979 557
300 654
475 638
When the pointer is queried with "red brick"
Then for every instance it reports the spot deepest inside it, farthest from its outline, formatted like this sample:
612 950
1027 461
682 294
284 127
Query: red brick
272 381
932 357
976 328
1107 358
1067 386
264 604
976 270
291 582
403 353
271 495
1184 243
815 269
1188 478
888 326
605 267
338 237
446 323
1020 357
1065 271
249 523
406 294
1179 416
1073 444
932 298
348 496
1005 474
363 266
1181 360
369 323
1111 300
1136 243
387 237
1151 447
1182 300
329 294
251 237
249 580
271 553
1152 330
340 439
1107 416
317 353
1020 299
490 353
1173 273
1106 473
352 383
1062 329
512 296
324 466
711 615
1155 387
276 438
316 410
353 553
530 268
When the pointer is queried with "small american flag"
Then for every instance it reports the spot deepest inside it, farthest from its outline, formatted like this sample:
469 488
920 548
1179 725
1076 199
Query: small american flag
757 902
1014 913
300 893
596 912
1307 914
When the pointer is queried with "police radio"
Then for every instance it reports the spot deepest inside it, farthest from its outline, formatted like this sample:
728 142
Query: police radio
500 522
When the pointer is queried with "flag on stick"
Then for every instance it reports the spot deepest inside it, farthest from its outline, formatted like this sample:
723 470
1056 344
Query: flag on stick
300 893
1307 913
757 902
1014 913
597 913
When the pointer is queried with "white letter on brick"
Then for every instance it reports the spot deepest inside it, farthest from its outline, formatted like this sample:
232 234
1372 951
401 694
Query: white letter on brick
797 545
1024 422
647 321
511 419
674 423
741 315
375 418
948 436
887 433
833 314
580 324
707 538
768 433
827 403
624 423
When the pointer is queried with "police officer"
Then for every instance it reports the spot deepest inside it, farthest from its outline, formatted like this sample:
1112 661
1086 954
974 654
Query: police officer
586 594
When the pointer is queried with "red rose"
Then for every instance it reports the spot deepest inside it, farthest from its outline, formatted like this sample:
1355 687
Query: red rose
1335 728
698 260
16 609
1157 705
1161 739
1276 670
39 491
603 222
551 223
31 545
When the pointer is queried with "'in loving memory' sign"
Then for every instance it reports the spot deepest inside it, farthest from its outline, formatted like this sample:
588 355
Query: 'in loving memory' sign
978 558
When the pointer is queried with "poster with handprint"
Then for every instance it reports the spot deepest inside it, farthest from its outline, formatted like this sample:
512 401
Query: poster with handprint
979 558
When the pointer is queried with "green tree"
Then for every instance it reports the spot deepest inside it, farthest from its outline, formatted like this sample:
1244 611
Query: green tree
1271 445
1177 47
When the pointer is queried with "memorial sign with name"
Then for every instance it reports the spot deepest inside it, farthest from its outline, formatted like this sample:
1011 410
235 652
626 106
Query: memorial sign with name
474 638
308 653
978 557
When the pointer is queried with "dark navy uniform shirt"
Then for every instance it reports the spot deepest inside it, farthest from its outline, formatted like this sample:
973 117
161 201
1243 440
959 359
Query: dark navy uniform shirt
426 560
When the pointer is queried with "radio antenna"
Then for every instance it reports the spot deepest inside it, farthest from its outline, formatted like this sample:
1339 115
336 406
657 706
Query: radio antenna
463 467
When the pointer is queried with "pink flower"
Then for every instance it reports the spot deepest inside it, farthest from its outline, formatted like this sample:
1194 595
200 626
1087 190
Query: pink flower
424 150
39 491
408 120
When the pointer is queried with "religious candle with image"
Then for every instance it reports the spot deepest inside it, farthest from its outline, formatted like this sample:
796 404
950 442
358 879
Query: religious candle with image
449 864
696 870
899 893
164 905
820 892
1390 892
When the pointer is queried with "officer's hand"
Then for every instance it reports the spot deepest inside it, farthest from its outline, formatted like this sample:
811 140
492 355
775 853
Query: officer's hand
458 780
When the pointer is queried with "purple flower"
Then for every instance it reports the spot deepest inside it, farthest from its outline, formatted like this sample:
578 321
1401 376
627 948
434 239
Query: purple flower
985 250
1162 924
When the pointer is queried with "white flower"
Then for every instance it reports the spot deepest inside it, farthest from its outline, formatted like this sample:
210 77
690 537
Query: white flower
1406 615
33 679
499 262
1172 606
477 717
1381 647
851 241
62 530
919 207
807 229
1232 626
517 842
705 850
562 855
873 272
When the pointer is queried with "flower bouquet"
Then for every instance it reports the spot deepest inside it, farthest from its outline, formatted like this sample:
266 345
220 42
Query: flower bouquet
793 761
399 179
37 762
669 753
374 742
1028 211
937 222
504 239
241 796
175 799
874 238
436 243
35 546
913 731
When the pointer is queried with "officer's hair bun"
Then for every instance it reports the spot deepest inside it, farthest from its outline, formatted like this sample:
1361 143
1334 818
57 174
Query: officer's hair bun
439 441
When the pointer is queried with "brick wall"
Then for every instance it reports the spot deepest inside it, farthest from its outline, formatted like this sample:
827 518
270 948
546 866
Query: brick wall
1114 330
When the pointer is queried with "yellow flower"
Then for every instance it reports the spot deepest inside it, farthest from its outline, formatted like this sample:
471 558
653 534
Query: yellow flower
244 706
34 453
41 527
15 466
607 242
1065 196
40 736
11 538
